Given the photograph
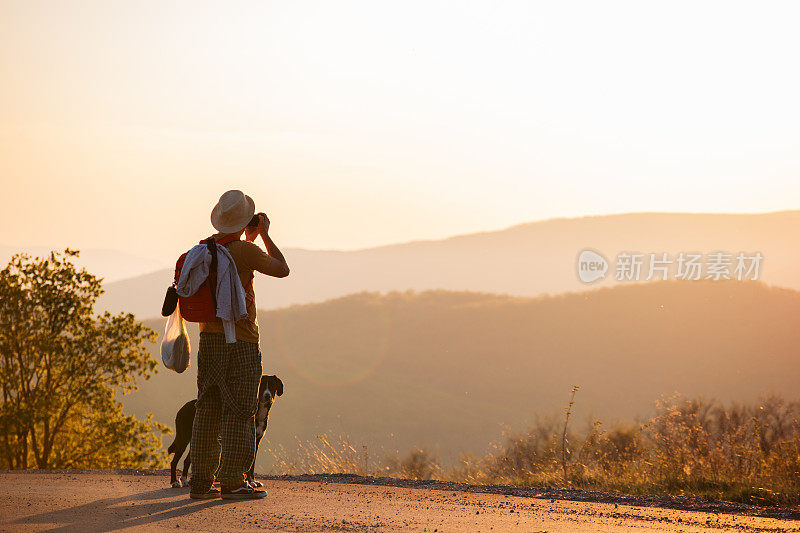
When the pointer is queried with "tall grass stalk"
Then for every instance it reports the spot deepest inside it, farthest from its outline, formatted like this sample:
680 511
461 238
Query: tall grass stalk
567 414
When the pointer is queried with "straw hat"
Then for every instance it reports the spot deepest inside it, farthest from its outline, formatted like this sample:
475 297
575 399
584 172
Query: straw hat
233 211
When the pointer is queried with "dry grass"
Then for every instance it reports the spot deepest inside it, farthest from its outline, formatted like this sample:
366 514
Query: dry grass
323 455
746 453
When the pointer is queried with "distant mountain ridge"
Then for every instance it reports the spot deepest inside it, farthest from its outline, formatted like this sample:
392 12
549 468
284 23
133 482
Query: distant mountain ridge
111 265
524 260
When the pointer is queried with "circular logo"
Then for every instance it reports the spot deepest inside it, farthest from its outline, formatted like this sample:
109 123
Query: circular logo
591 266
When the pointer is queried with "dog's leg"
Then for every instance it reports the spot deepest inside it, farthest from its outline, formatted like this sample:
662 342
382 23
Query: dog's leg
183 434
251 473
186 464
173 478
180 447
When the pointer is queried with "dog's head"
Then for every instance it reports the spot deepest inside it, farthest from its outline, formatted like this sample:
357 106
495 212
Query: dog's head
270 388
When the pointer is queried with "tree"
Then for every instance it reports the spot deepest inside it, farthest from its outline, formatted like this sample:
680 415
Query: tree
61 368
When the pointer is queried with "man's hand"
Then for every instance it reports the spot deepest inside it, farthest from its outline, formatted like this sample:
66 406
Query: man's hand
263 223
282 268
251 232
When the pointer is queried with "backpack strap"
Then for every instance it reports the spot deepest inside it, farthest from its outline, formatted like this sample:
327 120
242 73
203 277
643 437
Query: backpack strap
224 240
228 238
212 249
212 270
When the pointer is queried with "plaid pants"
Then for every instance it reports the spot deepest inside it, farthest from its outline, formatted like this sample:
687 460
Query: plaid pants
228 376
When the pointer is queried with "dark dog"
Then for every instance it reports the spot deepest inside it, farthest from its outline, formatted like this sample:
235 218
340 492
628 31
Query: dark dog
268 390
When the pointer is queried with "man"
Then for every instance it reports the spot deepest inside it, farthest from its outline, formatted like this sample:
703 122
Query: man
228 374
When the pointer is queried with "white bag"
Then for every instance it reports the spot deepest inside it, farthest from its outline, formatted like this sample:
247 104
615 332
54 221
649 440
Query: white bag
175 344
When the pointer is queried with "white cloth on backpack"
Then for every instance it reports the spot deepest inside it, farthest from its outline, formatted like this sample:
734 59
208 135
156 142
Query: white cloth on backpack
231 305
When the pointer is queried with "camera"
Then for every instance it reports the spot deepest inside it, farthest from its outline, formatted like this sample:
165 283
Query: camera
253 221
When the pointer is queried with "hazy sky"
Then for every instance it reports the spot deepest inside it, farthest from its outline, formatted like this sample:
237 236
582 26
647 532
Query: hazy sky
361 123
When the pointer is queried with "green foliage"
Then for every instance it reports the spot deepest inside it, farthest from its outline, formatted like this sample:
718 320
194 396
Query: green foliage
60 368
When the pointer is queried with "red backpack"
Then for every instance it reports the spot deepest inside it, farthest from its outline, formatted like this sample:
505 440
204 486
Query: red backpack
202 305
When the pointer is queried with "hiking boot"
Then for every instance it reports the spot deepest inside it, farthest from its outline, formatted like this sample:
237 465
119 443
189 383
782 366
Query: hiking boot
242 492
208 495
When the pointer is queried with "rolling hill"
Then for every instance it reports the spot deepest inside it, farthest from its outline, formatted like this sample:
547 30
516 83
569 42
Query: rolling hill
526 260
450 370
111 265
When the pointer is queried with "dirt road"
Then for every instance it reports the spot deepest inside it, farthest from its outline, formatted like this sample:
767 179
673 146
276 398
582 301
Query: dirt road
113 501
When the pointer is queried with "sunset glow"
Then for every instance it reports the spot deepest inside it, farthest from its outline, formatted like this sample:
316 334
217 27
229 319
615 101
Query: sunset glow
362 123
